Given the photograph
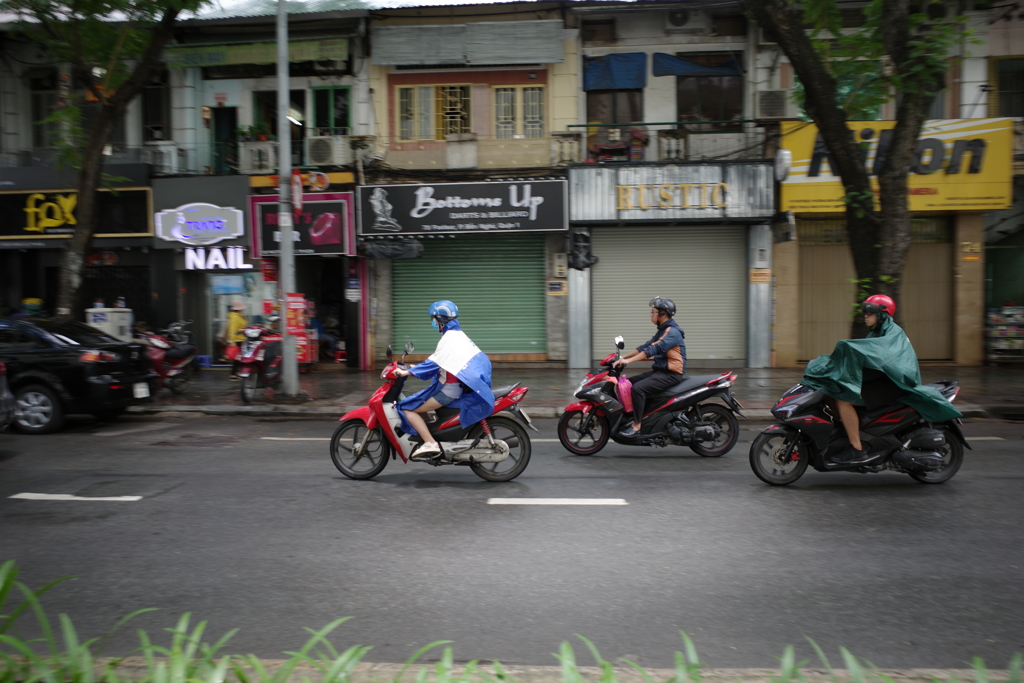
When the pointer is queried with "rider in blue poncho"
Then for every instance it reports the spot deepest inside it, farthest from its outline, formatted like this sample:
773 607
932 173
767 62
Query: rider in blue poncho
461 375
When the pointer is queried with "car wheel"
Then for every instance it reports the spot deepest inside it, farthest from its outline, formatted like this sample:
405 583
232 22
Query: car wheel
38 410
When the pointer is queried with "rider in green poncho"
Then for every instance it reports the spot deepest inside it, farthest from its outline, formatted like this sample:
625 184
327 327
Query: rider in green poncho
874 372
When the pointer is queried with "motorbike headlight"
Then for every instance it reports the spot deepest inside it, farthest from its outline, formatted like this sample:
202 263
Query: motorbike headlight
784 412
252 333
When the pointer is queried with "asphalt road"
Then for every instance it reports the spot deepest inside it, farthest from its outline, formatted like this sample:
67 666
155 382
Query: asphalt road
268 537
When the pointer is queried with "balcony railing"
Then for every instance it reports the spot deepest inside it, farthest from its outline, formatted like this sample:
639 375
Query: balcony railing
671 141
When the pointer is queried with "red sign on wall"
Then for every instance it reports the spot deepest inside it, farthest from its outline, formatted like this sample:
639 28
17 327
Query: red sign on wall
269 268
295 313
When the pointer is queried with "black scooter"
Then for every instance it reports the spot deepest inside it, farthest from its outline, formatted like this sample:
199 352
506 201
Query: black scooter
896 437
678 416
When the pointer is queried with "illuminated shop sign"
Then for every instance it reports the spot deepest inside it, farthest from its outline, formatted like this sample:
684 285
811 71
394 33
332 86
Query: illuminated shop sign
216 258
199 224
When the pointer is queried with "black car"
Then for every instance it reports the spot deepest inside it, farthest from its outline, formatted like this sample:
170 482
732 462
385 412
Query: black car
6 399
58 367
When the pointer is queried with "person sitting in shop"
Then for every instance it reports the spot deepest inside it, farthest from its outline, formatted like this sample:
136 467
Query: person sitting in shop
31 307
322 334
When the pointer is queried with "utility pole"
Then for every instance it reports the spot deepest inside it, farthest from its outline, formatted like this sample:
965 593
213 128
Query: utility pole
290 371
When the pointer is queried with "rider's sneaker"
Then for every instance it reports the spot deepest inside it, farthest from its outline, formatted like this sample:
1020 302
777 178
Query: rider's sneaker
850 456
426 451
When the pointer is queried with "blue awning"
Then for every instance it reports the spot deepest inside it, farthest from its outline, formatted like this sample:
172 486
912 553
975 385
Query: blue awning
667 65
626 71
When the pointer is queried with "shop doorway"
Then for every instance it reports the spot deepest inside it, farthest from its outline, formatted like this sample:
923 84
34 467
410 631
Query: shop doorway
225 143
111 282
324 280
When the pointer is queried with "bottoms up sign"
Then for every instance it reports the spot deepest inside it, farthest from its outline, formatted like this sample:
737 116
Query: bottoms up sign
324 225
463 207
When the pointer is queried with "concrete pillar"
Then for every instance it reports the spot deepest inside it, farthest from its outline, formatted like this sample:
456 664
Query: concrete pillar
759 297
185 85
579 319
786 296
969 290
557 306
381 307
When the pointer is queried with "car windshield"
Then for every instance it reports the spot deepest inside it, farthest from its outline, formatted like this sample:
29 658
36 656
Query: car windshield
72 333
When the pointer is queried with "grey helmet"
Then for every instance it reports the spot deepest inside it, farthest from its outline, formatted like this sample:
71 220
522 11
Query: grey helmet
664 304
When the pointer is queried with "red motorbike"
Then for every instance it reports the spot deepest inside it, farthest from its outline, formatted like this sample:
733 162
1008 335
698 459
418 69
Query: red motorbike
259 359
172 362
679 416
497 448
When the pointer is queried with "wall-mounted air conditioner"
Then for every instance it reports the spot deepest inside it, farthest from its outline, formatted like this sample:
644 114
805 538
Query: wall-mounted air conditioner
162 155
329 150
693 21
257 157
776 104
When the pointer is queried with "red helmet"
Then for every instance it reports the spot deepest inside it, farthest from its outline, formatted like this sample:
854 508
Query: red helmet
879 302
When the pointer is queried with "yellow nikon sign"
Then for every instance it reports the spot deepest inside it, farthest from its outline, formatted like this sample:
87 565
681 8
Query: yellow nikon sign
959 165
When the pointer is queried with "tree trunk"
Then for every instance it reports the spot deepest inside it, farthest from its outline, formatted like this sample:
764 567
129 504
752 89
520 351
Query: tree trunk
91 175
72 259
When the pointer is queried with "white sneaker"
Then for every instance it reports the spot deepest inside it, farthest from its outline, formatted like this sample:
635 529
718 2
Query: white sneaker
426 451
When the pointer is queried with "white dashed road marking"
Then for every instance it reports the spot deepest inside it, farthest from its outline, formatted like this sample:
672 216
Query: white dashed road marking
985 438
557 501
68 496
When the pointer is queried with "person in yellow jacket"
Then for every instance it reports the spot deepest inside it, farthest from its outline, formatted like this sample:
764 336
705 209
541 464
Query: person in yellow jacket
232 332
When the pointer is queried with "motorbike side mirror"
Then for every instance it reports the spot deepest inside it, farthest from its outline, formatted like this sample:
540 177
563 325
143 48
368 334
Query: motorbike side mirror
409 348
391 353
620 343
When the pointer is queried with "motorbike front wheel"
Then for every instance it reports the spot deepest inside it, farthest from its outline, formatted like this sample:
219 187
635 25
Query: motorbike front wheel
766 459
952 458
519 449
248 387
357 452
179 383
727 424
583 433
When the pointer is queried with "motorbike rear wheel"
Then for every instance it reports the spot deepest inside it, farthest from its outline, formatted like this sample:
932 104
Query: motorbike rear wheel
580 436
952 459
519 449
374 455
726 422
766 459
248 388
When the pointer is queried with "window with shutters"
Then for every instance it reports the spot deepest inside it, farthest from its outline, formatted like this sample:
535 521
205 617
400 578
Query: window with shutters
1008 97
43 86
156 108
519 112
331 110
430 112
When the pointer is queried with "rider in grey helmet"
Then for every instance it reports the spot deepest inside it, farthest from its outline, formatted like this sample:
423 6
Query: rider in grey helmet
668 351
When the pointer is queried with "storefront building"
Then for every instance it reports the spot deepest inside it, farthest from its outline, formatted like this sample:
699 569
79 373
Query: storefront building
38 208
328 272
963 169
494 248
200 223
698 234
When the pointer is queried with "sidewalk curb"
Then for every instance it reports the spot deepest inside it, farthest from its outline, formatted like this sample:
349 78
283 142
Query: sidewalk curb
273 410
368 672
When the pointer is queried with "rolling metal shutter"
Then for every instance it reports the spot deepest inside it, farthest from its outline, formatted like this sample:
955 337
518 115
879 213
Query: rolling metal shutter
497 281
701 268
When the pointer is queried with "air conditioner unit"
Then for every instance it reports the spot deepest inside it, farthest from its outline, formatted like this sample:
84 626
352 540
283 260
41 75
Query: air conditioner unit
329 150
776 104
257 157
688 21
162 155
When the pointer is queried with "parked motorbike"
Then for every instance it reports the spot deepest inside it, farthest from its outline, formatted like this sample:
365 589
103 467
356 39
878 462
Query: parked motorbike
259 359
679 416
177 333
172 362
809 432
497 448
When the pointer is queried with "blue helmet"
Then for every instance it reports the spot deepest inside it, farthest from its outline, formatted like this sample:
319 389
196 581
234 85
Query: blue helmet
443 312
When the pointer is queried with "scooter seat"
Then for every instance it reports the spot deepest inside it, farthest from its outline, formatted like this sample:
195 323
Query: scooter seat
687 384
504 391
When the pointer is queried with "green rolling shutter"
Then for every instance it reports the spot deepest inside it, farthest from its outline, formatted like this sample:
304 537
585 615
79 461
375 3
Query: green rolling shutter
497 281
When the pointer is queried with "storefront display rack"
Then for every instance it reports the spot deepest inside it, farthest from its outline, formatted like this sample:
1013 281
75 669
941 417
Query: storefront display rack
1004 332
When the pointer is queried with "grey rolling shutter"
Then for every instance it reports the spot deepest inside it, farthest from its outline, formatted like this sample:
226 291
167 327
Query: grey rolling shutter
515 42
497 281
701 268
419 44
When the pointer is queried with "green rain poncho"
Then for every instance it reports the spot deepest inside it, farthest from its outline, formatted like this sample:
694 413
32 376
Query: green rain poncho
887 349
